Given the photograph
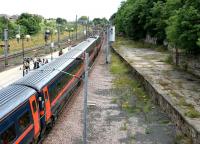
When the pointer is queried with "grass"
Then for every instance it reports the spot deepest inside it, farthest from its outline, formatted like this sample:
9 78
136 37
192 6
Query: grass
164 121
132 137
124 127
191 112
147 131
181 139
169 59
136 44
114 100
131 96
182 102
117 67
176 95
1 50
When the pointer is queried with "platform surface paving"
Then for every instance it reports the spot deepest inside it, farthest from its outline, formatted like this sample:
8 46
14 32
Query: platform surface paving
13 74
180 88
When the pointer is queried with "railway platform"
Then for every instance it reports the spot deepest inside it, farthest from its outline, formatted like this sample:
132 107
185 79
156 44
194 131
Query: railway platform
177 92
13 74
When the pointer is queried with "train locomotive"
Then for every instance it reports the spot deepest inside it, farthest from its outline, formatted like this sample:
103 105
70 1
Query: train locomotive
33 103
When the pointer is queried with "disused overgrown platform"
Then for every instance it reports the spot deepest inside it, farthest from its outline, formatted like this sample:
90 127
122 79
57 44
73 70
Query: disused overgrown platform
177 92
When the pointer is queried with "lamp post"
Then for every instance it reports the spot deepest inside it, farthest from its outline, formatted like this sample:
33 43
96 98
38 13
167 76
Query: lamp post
72 29
58 31
22 37
67 30
76 26
52 44
6 46
55 31
23 54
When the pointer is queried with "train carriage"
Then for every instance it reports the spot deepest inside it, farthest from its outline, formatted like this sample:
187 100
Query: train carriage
53 83
32 103
19 115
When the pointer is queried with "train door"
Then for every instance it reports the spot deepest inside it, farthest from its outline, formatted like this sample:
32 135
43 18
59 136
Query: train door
47 104
35 114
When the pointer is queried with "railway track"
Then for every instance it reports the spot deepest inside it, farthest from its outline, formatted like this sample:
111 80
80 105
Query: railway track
27 50
15 59
68 105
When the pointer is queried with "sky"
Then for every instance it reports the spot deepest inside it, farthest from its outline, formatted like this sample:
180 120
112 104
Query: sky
61 8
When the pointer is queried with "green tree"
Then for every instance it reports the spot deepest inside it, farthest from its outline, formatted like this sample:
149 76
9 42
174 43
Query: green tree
112 18
178 21
120 18
132 18
99 21
31 23
83 19
157 21
184 29
7 24
61 21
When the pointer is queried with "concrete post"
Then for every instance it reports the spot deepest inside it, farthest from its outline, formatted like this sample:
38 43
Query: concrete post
85 100
58 36
6 46
23 55
107 47
76 26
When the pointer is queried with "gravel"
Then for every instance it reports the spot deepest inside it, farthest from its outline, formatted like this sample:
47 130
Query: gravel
107 123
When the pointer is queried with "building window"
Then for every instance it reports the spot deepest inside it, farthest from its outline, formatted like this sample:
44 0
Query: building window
9 135
24 121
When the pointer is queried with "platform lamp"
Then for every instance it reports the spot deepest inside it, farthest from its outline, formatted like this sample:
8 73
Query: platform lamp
67 30
55 31
46 38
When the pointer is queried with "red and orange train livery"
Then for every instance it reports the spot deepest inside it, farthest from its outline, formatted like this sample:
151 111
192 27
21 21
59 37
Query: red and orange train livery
33 103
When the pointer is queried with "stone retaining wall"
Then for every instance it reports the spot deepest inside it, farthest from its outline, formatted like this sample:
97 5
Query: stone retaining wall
182 123
188 63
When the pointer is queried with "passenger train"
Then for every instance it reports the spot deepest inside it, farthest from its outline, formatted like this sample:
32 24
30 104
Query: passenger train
31 104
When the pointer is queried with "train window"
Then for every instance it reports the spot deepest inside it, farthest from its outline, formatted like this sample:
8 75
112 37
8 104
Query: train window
34 106
24 121
9 135
61 82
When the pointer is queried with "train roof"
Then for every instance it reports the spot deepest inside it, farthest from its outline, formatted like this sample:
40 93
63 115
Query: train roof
12 96
37 79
